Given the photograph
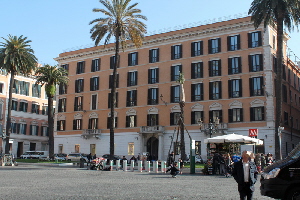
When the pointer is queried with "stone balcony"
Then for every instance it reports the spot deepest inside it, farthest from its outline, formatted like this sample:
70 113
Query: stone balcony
152 129
90 133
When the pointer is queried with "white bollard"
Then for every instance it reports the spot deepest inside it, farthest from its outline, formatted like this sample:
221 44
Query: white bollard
148 166
155 166
117 165
111 165
132 165
124 165
163 166
140 166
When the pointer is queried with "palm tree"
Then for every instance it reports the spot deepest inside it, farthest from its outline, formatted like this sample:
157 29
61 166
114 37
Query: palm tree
51 76
16 58
278 13
122 23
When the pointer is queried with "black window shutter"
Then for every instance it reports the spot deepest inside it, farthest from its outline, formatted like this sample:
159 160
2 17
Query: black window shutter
193 92
180 51
202 91
117 99
150 55
228 43
262 85
127 121
250 63
137 58
263 113
211 116
149 96
128 99
111 62
157 55
83 66
148 120
193 49
74 124
201 69
172 119
238 42
259 38
91 84
172 73
156 123
240 64
180 68
220 91
219 44
128 78
251 87
76 85
242 114
219 67
117 85
240 88
221 115
210 67
230 88
249 40
172 52
172 94
229 66
230 117
261 63
251 114
108 122
192 70
109 100
209 46
149 76
210 90
129 59
116 122
193 117
201 47
157 75
136 77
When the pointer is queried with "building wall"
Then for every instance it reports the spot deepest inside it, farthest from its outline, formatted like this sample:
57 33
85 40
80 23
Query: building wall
69 137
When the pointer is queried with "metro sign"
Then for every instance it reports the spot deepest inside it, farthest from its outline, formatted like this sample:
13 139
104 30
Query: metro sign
253 132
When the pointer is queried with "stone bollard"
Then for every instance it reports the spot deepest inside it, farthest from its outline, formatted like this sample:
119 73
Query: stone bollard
124 165
111 164
140 166
163 166
132 165
148 166
117 165
155 166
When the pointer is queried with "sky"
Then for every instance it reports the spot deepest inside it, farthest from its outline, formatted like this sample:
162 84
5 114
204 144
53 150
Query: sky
57 26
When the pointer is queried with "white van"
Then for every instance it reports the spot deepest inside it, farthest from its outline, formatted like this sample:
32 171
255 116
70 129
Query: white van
35 155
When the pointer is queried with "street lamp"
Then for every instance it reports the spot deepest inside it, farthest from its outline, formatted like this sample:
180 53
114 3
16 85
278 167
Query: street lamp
280 129
212 126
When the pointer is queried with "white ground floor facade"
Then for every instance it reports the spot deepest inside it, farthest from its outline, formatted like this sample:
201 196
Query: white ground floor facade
159 143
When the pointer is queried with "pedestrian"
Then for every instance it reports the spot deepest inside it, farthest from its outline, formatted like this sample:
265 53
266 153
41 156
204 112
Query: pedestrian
228 165
216 164
269 159
257 161
171 159
139 157
89 157
222 165
94 157
263 161
245 174
181 164
174 170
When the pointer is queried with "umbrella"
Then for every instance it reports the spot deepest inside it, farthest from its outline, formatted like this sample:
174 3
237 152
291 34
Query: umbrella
233 138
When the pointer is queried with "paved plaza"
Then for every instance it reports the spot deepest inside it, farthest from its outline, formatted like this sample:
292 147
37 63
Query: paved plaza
32 181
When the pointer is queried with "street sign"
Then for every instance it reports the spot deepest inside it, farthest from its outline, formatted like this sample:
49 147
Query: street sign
253 132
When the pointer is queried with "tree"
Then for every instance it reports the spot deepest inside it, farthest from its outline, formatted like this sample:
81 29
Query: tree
278 13
51 76
122 23
16 58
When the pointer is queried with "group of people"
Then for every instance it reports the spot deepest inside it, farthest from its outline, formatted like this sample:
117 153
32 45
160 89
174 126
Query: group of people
222 164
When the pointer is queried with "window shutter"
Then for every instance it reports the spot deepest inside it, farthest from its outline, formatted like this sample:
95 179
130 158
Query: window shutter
240 64
201 70
219 67
157 55
193 70
116 122
228 43
250 63
221 116
93 66
193 49
193 117
180 51
172 94
83 66
172 73
128 78
262 85
230 117
149 96
127 121
210 90
202 91
261 63
230 88
148 120
201 47
157 75
220 89
30 129
209 46
251 87
249 40
129 59
109 100
128 99
219 45
108 122
117 85
238 42
137 58
251 114
259 38
111 62
210 116
193 92
136 77
240 88
242 114
117 99
263 113
210 68
156 122
91 84
172 119
229 66
180 68
150 60
149 76
172 52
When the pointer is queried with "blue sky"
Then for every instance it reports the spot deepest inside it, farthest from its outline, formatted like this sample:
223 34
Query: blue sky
55 26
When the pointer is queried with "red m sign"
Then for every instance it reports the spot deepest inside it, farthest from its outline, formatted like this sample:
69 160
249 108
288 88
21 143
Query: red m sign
253 132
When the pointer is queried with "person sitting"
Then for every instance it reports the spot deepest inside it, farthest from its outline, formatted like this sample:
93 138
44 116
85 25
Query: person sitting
174 170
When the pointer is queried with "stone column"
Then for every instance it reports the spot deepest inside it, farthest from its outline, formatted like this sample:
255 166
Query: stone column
160 146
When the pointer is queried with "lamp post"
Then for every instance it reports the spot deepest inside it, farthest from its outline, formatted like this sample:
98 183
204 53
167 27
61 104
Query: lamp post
280 129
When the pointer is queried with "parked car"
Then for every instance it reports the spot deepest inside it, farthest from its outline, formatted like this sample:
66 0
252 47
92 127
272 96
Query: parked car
76 157
281 180
35 155
106 156
60 156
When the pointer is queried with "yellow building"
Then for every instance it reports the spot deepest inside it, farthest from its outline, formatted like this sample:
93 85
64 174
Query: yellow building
229 75
29 127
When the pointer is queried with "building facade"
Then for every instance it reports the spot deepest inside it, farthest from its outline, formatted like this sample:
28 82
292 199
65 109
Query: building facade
229 76
29 121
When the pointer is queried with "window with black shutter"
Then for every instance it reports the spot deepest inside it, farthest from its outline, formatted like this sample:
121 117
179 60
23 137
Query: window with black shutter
235 115
233 43
175 72
214 45
197 70
131 121
152 119
95 65
111 81
131 98
115 125
109 99
196 116
175 94
254 39
215 90
197 92
133 59
152 96
176 52
80 67
234 65
153 55
215 68
153 75
132 78
196 48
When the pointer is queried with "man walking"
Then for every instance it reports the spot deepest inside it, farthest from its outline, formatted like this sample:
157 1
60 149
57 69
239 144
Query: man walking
245 174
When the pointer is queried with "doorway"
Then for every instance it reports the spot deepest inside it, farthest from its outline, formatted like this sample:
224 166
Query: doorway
152 147
20 149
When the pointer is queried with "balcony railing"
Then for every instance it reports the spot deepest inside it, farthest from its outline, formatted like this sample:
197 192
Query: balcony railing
89 133
152 129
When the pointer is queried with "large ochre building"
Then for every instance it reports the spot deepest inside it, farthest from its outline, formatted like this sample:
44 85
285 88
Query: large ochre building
229 75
